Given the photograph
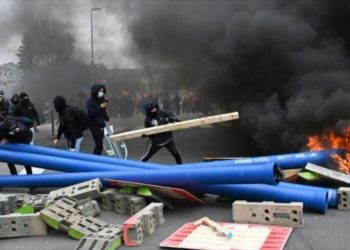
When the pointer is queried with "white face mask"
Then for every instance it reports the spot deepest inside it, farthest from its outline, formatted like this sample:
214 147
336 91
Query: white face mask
100 94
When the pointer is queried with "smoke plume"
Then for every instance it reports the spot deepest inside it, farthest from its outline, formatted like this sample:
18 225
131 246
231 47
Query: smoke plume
283 64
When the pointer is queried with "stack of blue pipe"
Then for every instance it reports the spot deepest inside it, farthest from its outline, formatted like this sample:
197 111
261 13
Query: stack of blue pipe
254 178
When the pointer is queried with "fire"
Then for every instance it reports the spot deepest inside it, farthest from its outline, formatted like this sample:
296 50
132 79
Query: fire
334 141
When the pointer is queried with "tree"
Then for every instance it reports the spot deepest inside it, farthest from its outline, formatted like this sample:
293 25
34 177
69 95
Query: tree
46 42
26 52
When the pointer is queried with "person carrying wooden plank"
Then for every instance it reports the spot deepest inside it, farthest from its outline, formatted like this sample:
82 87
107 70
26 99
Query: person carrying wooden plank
156 117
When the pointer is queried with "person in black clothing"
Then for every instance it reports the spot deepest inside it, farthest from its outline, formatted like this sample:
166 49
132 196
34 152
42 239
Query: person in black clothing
68 126
155 117
14 102
4 104
16 132
96 109
27 109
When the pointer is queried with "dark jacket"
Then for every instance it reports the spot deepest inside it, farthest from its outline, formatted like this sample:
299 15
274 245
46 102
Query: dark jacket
156 119
97 115
27 109
4 107
69 127
69 124
15 132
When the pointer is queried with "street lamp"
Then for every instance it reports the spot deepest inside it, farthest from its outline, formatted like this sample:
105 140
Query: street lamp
92 45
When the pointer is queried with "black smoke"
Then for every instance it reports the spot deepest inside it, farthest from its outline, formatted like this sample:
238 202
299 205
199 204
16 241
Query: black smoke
283 64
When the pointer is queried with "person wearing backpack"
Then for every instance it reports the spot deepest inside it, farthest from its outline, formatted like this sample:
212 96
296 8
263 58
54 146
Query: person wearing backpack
13 131
69 124
96 108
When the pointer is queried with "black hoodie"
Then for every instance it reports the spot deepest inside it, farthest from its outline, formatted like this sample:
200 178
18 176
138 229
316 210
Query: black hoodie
69 126
159 118
97 115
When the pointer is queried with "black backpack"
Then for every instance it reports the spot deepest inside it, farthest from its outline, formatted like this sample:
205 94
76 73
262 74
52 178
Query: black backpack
81 118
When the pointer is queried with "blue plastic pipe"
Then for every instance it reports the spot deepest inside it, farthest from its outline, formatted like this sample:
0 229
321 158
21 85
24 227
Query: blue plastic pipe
315 200
333 193
265 173
76 156
285 161
57 163
288 161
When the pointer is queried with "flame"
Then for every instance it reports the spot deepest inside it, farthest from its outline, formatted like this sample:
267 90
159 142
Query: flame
334 141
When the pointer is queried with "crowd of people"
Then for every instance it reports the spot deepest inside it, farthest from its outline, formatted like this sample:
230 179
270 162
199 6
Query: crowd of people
19 119
128 104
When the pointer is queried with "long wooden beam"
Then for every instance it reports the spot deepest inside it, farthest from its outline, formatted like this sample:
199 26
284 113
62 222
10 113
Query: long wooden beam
175 126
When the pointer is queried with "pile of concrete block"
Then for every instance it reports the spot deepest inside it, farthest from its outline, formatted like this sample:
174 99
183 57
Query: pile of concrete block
73 210
65 215
28 204
143 223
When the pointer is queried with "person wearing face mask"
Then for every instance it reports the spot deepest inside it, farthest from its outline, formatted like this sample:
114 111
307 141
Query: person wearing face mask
96 109
27 109
68 126
4 104
156 117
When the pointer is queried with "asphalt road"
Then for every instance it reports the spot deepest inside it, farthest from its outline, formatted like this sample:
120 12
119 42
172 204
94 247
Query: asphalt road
329 231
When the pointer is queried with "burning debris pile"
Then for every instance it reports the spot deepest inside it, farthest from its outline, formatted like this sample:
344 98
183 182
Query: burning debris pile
334 140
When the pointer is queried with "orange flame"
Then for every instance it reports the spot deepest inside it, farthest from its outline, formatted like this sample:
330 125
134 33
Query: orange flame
334 141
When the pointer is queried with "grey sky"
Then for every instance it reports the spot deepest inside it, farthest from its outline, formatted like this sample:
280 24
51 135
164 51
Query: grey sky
110 36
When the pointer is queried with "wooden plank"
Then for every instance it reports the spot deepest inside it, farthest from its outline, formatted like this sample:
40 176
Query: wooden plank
175 126
328 173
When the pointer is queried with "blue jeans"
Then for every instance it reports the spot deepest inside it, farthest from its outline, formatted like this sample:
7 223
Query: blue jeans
77 144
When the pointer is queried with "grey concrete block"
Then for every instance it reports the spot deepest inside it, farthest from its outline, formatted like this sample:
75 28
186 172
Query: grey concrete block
282 214
108 238
121 204
107 199
90 209
142 223
79 191
21 225
344 198
135 204
86 226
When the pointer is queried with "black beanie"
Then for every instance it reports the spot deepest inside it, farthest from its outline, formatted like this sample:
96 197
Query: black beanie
22 95
60 103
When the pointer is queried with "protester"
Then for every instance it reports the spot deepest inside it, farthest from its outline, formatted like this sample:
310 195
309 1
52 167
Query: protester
156 117
27 109
4 104
14 102
96 109
69 124
13 131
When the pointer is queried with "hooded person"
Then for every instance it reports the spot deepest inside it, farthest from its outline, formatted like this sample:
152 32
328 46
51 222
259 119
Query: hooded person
27 109
96 108
68 125
156 117
14 102
4 104
12 131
